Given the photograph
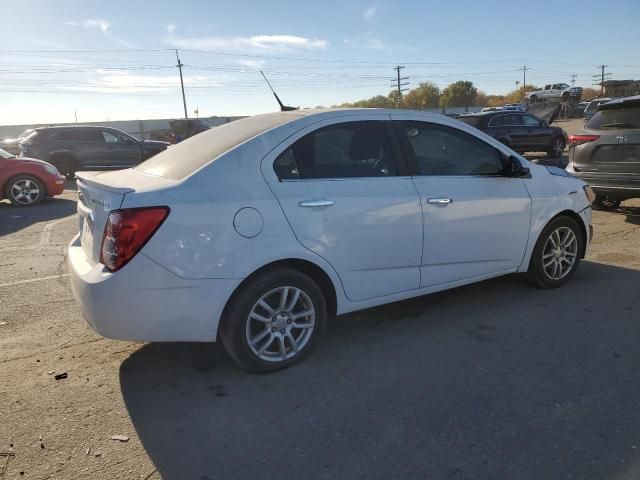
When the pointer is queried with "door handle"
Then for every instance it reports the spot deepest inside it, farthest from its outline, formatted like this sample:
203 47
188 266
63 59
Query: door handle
316 203
439 200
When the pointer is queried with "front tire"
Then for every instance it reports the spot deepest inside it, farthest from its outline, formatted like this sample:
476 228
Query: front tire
25 191
557 253
274 321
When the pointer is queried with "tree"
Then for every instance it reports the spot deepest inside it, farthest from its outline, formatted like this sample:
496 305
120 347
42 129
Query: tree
459 94
589 93
425 95
378 101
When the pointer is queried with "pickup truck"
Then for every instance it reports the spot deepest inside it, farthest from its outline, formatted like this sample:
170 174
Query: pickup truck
74 148
560 91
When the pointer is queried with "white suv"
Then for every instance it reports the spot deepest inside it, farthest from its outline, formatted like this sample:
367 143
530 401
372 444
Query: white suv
256 231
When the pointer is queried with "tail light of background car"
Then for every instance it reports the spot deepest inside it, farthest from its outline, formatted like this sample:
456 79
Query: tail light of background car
580 139
127 231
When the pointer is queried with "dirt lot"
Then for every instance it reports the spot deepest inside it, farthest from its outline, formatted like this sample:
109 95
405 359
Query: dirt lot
494 380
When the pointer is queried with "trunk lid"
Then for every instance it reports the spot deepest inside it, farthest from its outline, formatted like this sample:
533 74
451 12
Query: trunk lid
101 192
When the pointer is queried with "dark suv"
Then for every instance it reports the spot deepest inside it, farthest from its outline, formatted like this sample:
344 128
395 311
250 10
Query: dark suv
606 153
522 132
73 148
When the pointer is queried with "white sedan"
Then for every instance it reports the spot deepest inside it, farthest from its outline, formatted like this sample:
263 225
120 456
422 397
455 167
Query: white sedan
256 231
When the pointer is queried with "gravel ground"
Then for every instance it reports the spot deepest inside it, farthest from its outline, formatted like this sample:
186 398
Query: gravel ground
493 380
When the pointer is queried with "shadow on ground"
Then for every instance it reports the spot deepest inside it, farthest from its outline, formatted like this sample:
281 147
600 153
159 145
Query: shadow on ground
494 380
14 219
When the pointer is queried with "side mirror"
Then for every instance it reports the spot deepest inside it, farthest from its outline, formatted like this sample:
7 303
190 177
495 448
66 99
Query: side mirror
515 168
544 123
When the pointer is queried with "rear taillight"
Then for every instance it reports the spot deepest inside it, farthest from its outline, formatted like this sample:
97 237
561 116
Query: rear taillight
127 231
580 139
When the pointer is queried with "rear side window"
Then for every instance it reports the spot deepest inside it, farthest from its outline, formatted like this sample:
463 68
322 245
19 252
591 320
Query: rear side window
78 135
530 121
621 118
346 150
446 151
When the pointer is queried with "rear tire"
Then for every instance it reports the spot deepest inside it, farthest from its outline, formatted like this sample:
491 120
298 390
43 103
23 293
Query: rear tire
65 165
273 321
556 255
557 148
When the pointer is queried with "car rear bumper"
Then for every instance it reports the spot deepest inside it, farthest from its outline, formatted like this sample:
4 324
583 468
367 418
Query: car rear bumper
617 185
145 302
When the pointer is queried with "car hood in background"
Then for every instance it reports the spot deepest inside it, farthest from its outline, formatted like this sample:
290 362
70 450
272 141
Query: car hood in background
28 160
545 111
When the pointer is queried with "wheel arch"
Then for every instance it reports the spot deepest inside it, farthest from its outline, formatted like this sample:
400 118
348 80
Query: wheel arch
312 270
58 156
574 216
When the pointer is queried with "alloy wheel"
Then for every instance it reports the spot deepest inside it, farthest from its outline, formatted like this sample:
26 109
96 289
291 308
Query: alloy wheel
280 324
558 147
560 253
25 191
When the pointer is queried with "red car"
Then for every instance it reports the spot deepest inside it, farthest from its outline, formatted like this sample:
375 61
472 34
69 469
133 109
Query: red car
27 181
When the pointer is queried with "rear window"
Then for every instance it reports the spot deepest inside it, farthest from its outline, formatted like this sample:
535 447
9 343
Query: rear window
619 118
473 121
181 160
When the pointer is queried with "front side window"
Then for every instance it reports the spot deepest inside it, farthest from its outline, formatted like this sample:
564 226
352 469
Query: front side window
447 151
110 137
346 150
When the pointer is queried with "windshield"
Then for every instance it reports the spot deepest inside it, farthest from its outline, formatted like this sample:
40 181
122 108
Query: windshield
616 118
5 154
26 134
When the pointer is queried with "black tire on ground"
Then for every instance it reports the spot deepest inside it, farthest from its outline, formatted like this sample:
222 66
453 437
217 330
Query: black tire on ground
14 191
233 325
66 165
606 203
537 273
557 148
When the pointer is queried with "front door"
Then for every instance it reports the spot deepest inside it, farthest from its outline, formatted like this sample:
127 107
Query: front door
476 220
348 199
117 151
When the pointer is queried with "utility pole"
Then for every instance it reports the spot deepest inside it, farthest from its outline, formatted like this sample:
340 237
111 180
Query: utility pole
573 79
184 100
524 81
603 76
400 82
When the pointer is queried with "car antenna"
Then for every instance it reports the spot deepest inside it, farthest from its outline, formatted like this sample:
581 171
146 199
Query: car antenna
283 108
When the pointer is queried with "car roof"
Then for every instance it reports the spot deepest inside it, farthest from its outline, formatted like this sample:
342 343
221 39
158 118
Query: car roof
73 127
618 102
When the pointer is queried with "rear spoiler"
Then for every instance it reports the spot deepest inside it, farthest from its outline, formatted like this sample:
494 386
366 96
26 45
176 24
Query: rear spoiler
90 179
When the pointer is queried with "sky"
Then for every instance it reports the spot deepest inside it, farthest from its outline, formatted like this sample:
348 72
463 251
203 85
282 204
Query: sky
116 60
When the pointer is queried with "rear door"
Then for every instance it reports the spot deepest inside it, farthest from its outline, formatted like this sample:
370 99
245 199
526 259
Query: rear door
476 220
349 199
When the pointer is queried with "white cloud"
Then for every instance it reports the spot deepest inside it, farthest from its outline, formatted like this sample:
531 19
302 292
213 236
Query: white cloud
251 63
253 43
370 13
171 28
103 26
369 43
122 83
